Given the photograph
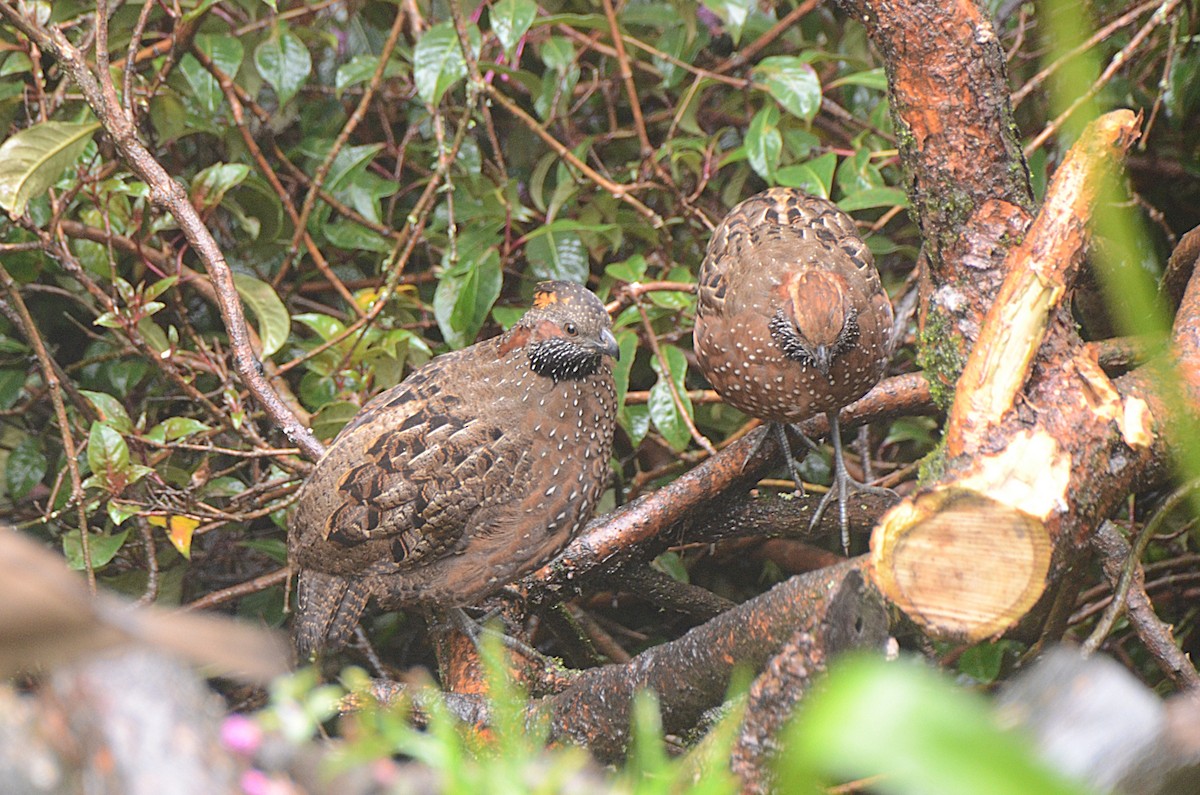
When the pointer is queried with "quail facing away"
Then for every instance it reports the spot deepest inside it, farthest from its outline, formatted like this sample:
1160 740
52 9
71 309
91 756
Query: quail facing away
472 472
792 319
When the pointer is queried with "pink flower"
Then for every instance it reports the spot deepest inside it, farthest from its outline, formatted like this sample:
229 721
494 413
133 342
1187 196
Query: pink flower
241 735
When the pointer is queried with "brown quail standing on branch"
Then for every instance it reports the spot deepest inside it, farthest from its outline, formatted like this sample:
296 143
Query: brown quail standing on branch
472 472
792 319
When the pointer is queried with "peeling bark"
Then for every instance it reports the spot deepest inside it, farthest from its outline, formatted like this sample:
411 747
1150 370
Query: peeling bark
836 606
1041 444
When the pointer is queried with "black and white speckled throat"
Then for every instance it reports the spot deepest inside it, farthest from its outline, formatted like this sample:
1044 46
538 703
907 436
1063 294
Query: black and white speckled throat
796 348
562 359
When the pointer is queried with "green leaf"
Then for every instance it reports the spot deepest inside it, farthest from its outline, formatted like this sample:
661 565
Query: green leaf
12 381
627 341
630 270
557 53
103 548
153 335
871 78
465 295
210 185
671 564
984 661
25 467
111 412
120 512
358 69
284 62
271 547
663 412
438 61
734 12
1182 93
317 389
273 321
674 299
32 160
874 197
793 83
920 431
913 731
325 326
510 20
507 316
803 177
176 428
636 422
108 456
814 177
558 254
857 173
160 287
764 143
226 53
332 417
351 236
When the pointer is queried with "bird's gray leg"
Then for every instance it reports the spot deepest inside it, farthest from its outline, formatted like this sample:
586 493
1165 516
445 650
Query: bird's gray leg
786 448
475 630
842 484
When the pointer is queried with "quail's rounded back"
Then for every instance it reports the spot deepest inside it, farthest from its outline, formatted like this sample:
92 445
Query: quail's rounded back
792 319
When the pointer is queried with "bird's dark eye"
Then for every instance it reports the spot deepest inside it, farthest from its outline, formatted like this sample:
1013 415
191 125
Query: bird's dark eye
570 329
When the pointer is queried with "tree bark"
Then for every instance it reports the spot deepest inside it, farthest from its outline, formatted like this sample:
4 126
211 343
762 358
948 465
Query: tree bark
965 172
1040 444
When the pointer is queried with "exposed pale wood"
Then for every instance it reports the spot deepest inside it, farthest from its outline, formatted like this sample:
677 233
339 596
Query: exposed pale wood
968 556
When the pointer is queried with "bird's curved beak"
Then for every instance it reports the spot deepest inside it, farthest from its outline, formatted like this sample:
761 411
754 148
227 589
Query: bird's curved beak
608 344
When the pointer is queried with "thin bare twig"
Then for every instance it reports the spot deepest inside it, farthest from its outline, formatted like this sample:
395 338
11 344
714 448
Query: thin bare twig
1158 18
1022 93
260 583
621 192
753 48
168 195
50 374
666 373
356 117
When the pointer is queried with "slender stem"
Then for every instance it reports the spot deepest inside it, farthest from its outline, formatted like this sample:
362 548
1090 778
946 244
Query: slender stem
50 373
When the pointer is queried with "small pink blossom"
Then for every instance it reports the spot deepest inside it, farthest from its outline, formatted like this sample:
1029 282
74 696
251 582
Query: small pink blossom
241 735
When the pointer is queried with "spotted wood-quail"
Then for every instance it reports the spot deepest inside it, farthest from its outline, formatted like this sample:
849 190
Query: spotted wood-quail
471 473
792 319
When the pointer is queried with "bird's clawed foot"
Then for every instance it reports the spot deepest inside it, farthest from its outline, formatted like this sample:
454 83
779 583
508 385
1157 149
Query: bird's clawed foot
842 485
476 630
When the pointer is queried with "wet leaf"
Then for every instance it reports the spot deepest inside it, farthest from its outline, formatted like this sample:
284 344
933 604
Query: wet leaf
25 467
764 143
272 315
32 160
510 19
284 62
438 61
664 413
179 529
176 428
102 546
793 83
108 456
110 410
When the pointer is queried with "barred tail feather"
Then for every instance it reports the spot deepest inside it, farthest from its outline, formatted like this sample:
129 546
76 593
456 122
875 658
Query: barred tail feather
328 610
